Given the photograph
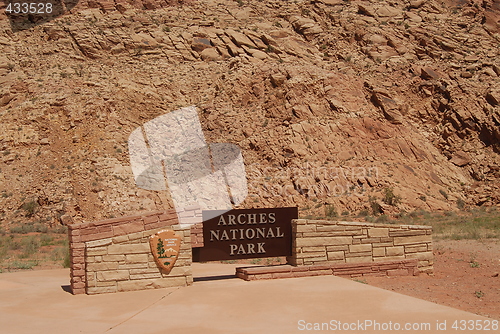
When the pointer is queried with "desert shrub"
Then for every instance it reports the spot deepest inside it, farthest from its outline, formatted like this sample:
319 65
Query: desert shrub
370 219
390 198
22 265
30 207
383 219
62 254
460 203
46 240
363 213
22 229
330 211
30 246
376 207
60 229
39 227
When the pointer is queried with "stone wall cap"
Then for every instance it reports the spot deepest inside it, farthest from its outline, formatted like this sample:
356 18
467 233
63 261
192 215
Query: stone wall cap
417 227
112 221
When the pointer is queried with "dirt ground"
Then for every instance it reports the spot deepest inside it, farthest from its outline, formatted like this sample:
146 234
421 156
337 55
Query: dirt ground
466 277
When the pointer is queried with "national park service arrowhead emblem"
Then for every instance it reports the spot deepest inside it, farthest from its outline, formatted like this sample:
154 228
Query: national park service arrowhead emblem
165 247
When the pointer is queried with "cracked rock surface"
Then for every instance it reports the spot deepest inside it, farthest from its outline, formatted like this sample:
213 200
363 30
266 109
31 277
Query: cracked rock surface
331 102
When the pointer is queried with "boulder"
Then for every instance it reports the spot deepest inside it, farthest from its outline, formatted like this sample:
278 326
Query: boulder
210 54
460 158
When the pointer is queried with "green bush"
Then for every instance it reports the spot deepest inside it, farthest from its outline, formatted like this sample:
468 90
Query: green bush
30 207
383 219
30 246
330 211
376 208
22 265
60 229
363 213
390 198
46 240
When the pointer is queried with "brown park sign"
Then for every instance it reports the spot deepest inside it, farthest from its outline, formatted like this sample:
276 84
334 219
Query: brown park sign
246 234
165 247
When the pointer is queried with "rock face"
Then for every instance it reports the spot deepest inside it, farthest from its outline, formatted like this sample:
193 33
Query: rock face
333 103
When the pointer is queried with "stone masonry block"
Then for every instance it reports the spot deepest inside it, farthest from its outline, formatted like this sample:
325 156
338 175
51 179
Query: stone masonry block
78 259
425 256
378 251
132 265
128 228
370 240
113 275
360 259
80 272
135 236
145 276
179 271
335 255
129 249
169 282
378 232
97 236
306 228
382 244
407 233
358 254
330 228
323 241
78 285
412 240
315 260
389 258
137 258
135 285
313 249
102 266
78 252
394 251
337 248
360 248
111 283
120 239
97 243
113 258
309 254
144 271
416 248
96 251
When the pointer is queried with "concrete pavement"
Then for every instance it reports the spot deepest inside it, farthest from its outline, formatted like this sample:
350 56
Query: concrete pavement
36 302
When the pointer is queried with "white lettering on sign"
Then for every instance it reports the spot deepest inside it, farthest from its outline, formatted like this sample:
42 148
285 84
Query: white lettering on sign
248 234
249 249
247 218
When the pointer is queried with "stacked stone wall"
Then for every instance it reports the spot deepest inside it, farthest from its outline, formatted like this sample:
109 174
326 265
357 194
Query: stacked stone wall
114 255
321 242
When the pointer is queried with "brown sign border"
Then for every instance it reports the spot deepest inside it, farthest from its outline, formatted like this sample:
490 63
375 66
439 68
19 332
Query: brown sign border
277 240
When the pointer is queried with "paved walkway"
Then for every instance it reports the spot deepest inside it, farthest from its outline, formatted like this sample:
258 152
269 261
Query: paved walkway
36 302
